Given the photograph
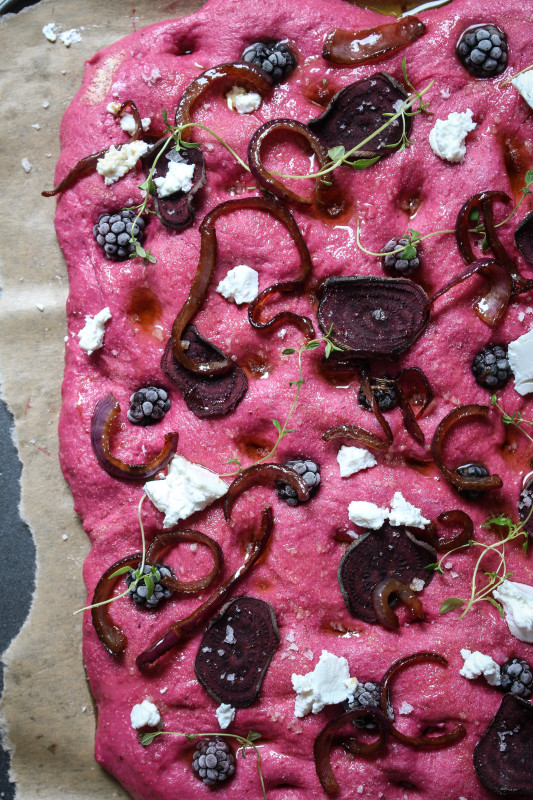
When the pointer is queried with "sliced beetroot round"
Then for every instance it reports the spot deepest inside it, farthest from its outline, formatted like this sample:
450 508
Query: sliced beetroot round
502 757
373 317
524 238
390 552
205 395
358 110
235 651
176 211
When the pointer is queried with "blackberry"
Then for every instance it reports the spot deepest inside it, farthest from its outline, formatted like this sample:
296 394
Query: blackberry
385 392
517 678
482 50
491 367
396 263
213 761
310 472
276 58
148 405
138 595
471 471
113 231
366 694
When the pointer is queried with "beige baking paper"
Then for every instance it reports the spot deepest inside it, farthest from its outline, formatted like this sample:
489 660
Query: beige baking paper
47 713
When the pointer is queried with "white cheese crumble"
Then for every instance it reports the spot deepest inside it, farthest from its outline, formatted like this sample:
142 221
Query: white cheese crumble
127 121
117 162
354 459
49 31
417 584
367 515
404 513
225 715
520 355
241 284
238 99
405 708
524 84
70 37
187 488
145 715
517 602
447 137
178 179
328 684
477 664
92 334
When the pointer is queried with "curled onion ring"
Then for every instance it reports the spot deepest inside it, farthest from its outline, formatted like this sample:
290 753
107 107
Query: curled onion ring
490 305
173 538
444 427
180 631
361 434
129 104
266 179
409 382
452 518
112 637
247 75
325 739
104 413
417 741
259 474
380 600
204 275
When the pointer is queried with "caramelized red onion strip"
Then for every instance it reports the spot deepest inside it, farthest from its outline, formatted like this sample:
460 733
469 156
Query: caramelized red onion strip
173 538
327 736
459 414
204 275
372 44
266 179
112 637
180 631
260 474
129 104
104 413
381 594
361 434
452 519
414 380
248 75
416 741
490 305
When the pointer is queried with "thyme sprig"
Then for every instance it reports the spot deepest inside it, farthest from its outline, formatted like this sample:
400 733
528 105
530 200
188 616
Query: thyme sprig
244 742
516 420
139 575
282 428
495 578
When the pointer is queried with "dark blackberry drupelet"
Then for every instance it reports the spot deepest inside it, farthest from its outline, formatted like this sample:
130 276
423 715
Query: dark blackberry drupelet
482 50
471 471
148 405
491 367
113 232
385 392
395 262
310 472
276 58
517 678
366 694
213 761
139 595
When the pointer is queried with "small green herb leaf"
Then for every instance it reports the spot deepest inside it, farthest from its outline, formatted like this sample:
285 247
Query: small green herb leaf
408 252
485 244
147 738
253 736
362 163
150 586
288 351
496 605
312 345
337 153
277 425
436 567
450 604
529 177
474 215
120 571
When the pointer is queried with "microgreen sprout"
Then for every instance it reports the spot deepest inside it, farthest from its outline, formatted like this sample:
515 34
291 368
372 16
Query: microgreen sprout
244 742
139 575
516 419
495 578
282 428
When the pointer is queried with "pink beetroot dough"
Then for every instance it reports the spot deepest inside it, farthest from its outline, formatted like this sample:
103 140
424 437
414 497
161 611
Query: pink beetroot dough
299 576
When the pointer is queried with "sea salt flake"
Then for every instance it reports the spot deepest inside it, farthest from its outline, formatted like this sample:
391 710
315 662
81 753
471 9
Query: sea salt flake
405 708
26 165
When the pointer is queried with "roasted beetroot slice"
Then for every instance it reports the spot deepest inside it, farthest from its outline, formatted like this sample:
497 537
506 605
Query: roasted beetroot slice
372 317
176 211
502 757
357 111
206 396
235 651
377 556
524 238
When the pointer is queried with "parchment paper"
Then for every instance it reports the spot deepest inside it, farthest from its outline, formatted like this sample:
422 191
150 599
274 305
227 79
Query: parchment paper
47 715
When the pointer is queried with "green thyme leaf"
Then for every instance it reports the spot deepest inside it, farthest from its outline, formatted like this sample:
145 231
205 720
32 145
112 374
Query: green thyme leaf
450 604
328 349
146 738
485 244
233 461
474 215
362 163
312 345
496 605
277 425
120 571
288 351
408 252
337 153
529 177
253 736
150 586
436 567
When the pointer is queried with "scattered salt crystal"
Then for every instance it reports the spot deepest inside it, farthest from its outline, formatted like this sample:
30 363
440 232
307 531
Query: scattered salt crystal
194 547
290 636
360 789
163 690
64 537
26 166
448 565
282 333
36 126
83 709
309 655
230 635
521 316
405 708
445 93
417 584
45 104
293 646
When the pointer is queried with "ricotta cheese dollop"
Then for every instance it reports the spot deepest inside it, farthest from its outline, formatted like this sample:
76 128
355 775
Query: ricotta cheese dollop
145 715
241 284
447 137
517 602
520 355
328 684
117 162
354 459
178 179
477 664
92 334
524 84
